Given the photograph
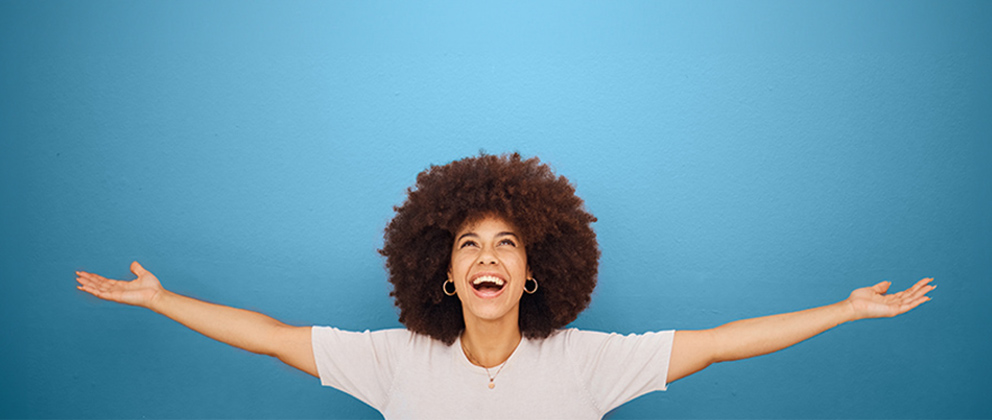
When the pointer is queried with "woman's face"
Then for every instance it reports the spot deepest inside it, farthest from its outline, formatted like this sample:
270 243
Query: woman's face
489 268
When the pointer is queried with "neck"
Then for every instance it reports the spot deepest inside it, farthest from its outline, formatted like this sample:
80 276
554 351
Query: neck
490 343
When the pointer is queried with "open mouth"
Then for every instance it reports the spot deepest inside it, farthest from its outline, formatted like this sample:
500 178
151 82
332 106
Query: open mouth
488 285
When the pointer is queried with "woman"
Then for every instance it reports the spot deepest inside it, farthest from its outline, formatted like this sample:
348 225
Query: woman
490 258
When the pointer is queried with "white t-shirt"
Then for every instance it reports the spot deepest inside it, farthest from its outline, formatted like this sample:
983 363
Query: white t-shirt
571 374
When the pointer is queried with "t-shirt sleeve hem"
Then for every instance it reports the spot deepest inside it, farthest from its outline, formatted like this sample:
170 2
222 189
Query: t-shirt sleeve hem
315 343
667 349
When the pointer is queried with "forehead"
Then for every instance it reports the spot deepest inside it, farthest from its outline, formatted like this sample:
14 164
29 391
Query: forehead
487 224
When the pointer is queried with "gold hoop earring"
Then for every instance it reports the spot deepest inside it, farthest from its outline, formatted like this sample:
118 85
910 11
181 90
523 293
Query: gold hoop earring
444 287
530 292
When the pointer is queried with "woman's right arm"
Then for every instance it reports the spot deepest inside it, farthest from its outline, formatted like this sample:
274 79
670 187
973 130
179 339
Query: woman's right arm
244 329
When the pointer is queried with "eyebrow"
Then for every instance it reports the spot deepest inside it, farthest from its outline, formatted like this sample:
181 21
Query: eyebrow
497 235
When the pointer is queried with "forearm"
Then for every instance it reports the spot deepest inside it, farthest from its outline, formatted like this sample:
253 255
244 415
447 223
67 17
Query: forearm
693 351
757 336
240 328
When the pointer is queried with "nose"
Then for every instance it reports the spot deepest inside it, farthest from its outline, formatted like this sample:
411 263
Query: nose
487 257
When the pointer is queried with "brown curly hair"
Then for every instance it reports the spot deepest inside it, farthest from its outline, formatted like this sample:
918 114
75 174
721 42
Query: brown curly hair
561 246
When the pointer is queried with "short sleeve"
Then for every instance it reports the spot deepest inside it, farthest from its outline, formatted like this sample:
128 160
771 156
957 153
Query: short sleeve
359 363
618 368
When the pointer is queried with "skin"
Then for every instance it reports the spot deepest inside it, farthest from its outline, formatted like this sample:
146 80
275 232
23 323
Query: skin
492 245
489 246
248 330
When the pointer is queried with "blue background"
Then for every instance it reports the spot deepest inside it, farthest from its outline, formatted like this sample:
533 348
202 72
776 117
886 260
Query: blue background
743 158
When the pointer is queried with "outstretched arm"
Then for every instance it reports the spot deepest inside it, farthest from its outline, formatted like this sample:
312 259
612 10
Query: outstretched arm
244 329
693 351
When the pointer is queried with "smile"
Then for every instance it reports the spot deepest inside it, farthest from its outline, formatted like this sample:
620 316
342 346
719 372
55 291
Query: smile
488 286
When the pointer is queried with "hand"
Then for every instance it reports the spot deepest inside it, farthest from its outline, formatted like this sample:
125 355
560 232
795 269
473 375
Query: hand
872 302
138 292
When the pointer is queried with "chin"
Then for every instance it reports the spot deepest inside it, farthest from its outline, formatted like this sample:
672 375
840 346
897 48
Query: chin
490 313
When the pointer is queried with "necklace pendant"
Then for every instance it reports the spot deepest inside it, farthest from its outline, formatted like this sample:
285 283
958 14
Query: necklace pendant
491 385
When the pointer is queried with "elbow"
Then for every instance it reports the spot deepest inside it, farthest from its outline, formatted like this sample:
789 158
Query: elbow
715 349
692 352
273 342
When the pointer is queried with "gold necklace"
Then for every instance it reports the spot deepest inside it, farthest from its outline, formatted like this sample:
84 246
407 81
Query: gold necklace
472 359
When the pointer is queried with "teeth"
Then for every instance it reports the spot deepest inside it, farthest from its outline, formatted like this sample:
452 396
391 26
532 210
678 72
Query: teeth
489 279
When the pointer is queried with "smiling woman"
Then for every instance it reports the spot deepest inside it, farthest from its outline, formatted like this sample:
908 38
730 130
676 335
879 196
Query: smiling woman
489 269
548 222
497 255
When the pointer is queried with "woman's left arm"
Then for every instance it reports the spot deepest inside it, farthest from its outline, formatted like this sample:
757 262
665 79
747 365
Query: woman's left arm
693 351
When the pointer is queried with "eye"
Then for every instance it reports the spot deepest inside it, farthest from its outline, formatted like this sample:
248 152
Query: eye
508 241
467 243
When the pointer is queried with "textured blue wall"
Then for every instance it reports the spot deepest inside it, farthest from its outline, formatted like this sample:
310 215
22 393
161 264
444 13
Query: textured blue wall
744 158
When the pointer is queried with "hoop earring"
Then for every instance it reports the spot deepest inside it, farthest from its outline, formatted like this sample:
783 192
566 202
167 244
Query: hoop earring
530 292
444 287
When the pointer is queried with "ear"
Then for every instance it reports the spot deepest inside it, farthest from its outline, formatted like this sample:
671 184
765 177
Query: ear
529 274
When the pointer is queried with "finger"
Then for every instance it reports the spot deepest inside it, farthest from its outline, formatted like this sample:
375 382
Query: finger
914 290
137 269
84 275
87 281
881 288
91 278
100 283
79 277
103 283
95 292
98 286
83 281
919 285
95 277
921 292
906 307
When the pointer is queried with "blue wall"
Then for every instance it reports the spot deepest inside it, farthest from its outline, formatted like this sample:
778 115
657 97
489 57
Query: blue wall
744 158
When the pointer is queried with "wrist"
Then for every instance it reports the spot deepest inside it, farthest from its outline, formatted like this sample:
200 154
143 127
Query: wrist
159 300
848 311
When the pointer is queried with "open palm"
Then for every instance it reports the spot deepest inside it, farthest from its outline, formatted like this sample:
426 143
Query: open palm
139 292
873 302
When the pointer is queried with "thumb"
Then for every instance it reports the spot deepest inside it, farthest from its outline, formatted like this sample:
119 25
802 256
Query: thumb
881 288
137 269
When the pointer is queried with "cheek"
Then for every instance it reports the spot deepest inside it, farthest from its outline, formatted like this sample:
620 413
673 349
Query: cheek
518 260
459 264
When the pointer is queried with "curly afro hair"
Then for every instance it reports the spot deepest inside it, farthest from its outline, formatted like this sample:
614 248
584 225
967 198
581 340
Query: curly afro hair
561 246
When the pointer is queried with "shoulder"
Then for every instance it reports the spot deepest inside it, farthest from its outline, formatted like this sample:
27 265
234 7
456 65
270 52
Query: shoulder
334 337
575 336
569 341
334 331
393 338
582 346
